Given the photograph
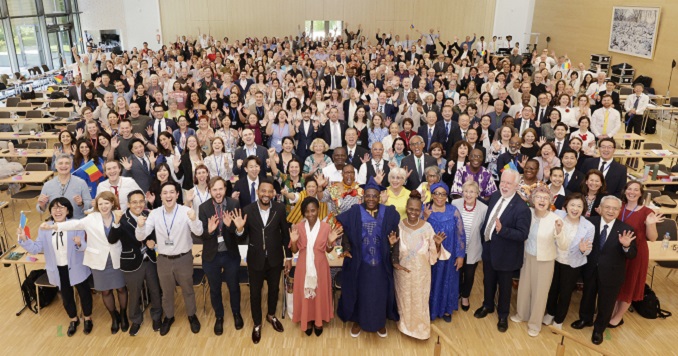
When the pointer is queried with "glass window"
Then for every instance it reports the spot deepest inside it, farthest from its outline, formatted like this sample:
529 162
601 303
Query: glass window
21 7
26 33
54 6
5 66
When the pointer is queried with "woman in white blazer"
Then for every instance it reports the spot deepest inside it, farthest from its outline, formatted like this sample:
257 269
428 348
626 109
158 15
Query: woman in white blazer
472 213
545 237
102 257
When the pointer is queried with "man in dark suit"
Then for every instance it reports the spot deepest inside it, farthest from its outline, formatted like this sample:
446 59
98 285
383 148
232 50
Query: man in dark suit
560 141
306 132
543 110
459 133
440 66
411 56
76 92
353 81
220 254
614 172
511 155
267 229
447 129
137 261
334 131
249 149
374 79
605 270
527 121
139 165
573 177
244 84
609 89
417 163
430 132
332 80
503 233
356 154
159 124
389 111
245 188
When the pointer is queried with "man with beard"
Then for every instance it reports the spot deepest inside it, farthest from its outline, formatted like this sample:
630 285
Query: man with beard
512 155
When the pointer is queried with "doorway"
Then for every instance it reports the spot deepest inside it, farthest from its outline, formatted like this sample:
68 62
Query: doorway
60 42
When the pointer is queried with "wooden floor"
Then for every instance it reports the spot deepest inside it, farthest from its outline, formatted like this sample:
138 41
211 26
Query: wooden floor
30 334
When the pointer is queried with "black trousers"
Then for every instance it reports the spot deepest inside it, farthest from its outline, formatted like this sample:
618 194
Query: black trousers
272 277
494 279
68 296
431 50
467 275
563 284
223 268
605 293
635 125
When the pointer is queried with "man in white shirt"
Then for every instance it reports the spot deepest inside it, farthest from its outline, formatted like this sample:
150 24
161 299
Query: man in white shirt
635 106
174 223
332 172
596 87
118 185
374 166
606 121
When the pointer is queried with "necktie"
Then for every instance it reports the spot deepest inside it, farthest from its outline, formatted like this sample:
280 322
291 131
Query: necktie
603 237
522 127
143 162
447 128
491 222
418 167
350 156
115 190
352 82
430 136
541 114
567 179
158 130
253 193
334 85
635 104
602 166
558 148
607 115
381 109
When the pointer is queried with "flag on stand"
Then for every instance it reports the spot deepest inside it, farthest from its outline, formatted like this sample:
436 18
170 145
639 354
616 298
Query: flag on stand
23 225
92 171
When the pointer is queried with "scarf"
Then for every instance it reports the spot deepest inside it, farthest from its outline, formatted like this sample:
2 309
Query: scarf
311 278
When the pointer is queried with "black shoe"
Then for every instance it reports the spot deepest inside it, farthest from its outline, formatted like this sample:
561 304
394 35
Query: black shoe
465 307
309 331
219 326
134 330
115 323
447 318
124 322
580 324
277 326
597 337
72 327
318 330
166 325
482 312
195 324
237 320
87 326
616 326
502 325
156 325
256 334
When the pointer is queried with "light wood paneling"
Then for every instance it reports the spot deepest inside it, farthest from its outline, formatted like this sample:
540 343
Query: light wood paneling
580 28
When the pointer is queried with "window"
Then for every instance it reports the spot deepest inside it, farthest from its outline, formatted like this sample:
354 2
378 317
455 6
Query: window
54 6
5 66
26 33
321 29
21 7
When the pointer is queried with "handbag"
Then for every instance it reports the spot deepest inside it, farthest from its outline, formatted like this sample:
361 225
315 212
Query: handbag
649 307
664 201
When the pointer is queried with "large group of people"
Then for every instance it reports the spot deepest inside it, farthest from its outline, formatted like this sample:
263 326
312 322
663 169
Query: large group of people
411 162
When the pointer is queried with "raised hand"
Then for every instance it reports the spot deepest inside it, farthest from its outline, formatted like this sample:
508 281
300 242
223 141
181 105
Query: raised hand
77 199
126 163
190 195
212 223
365 158
559 226
226 217
191 214
22 234
542 141
585 245
176 162
654 219
523 161
438 238
428 209
149 131
335 233
115 142
238 219
141 221
150 197
117 214
393 238
294 234
379 176
320 179
626 237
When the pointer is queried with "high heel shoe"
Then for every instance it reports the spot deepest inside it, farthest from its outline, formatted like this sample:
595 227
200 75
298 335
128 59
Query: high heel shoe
115 323
309 331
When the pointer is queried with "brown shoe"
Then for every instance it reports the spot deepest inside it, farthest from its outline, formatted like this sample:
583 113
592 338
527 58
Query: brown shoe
277 325
355 330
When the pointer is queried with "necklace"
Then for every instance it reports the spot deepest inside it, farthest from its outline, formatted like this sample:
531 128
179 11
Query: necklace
473 208
411 225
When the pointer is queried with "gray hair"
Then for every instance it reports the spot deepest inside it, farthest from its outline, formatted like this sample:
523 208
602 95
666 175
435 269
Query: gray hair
64 156
397 172
434 170
512 171
610 197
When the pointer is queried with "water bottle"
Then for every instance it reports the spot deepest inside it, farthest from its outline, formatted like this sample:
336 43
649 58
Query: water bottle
665 241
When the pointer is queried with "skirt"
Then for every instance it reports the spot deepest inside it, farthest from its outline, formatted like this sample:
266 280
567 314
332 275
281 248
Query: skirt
109 278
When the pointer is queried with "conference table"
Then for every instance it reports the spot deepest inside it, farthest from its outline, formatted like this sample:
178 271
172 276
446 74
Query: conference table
672 155
657 254
34 107
27 136
34 153
39 121
28 177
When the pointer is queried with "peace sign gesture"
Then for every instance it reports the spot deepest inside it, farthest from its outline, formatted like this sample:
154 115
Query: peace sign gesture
428 209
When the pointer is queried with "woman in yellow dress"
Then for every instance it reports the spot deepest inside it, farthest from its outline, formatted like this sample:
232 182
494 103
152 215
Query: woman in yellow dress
396 194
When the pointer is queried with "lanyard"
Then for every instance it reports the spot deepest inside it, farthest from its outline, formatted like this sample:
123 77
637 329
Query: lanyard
197 192
624 216
169 229
219 210
218 165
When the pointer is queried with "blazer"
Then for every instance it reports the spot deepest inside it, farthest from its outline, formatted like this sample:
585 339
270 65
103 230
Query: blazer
139 173
474 247
242 186
517 122
417 118
547 238
359 152
574 184
168 123
327 132
438 134
547 114
409 163
585 231
268 240
98 246
390 111
565 146
241 153
244 90
337 81
615 178
304 140
448 140
358 83
210 241
506 249
186 170
131 256
73 93
77 271
611 259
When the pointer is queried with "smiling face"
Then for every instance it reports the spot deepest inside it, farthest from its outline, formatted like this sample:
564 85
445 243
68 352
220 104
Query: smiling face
541 201
633 193
218 191
162 174
557 178
413 209
610 209
594 183
371 198
417 146
59 212
530 170
266 192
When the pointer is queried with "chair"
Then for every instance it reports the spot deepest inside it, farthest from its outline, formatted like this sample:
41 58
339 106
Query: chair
45 68
43 282
5 115
37 145
625 91
652 146
25 104
57 104
62 114
71 127
669 226
34 114
37 70
13 102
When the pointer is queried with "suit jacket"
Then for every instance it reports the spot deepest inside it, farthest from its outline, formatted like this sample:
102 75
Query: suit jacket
357 155
131 256
409 163
142 176
417 118
327 132
447 139
244 90
390 111
241 153
438 134
358 83
268 240
565 145
506 247
611 259
517 122
210 241
73 93
574 184
168 123
337 81
440 67
242 186
504 159
616 102
615 178
547 113
304 140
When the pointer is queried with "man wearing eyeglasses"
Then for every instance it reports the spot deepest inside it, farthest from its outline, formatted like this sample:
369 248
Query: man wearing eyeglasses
614 172
160 124
416 163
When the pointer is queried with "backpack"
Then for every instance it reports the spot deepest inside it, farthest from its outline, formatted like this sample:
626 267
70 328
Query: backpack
28 290
649 307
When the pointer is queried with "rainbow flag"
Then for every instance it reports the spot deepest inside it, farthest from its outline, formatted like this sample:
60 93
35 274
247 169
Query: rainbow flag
567 65
510 165
59 78
23 220
92 171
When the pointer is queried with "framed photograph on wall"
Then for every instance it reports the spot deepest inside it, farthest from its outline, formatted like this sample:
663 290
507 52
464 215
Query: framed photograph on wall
634 30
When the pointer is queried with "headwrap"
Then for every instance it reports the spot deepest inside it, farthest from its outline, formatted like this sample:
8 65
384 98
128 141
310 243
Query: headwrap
440 185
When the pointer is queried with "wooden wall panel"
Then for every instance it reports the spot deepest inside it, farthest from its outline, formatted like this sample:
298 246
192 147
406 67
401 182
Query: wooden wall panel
586 30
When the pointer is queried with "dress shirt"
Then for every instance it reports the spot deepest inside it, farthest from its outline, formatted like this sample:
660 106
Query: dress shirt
335 130
180 228
256 186
362 172
264 213
59 240
598 121
156 132
607 166
333 174
124 186
643 101
559 149
503 207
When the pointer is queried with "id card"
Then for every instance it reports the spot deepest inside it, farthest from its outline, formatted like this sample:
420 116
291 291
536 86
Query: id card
169 243
220 239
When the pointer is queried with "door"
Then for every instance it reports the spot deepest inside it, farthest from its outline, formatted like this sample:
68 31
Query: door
26 44
60 48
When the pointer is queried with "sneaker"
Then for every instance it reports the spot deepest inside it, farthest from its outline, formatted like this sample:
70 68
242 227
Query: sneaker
548 319
384 334
558 326
533 333
515 319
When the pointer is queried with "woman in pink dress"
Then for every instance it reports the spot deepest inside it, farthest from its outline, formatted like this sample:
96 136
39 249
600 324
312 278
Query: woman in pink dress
312 286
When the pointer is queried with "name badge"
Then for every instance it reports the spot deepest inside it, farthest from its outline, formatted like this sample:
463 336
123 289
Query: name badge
220 239
278 142
169 243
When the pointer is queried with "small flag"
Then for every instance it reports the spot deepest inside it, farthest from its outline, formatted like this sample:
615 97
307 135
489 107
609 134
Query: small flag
23 225
59 78
412 26
511 166
92 171
567 65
